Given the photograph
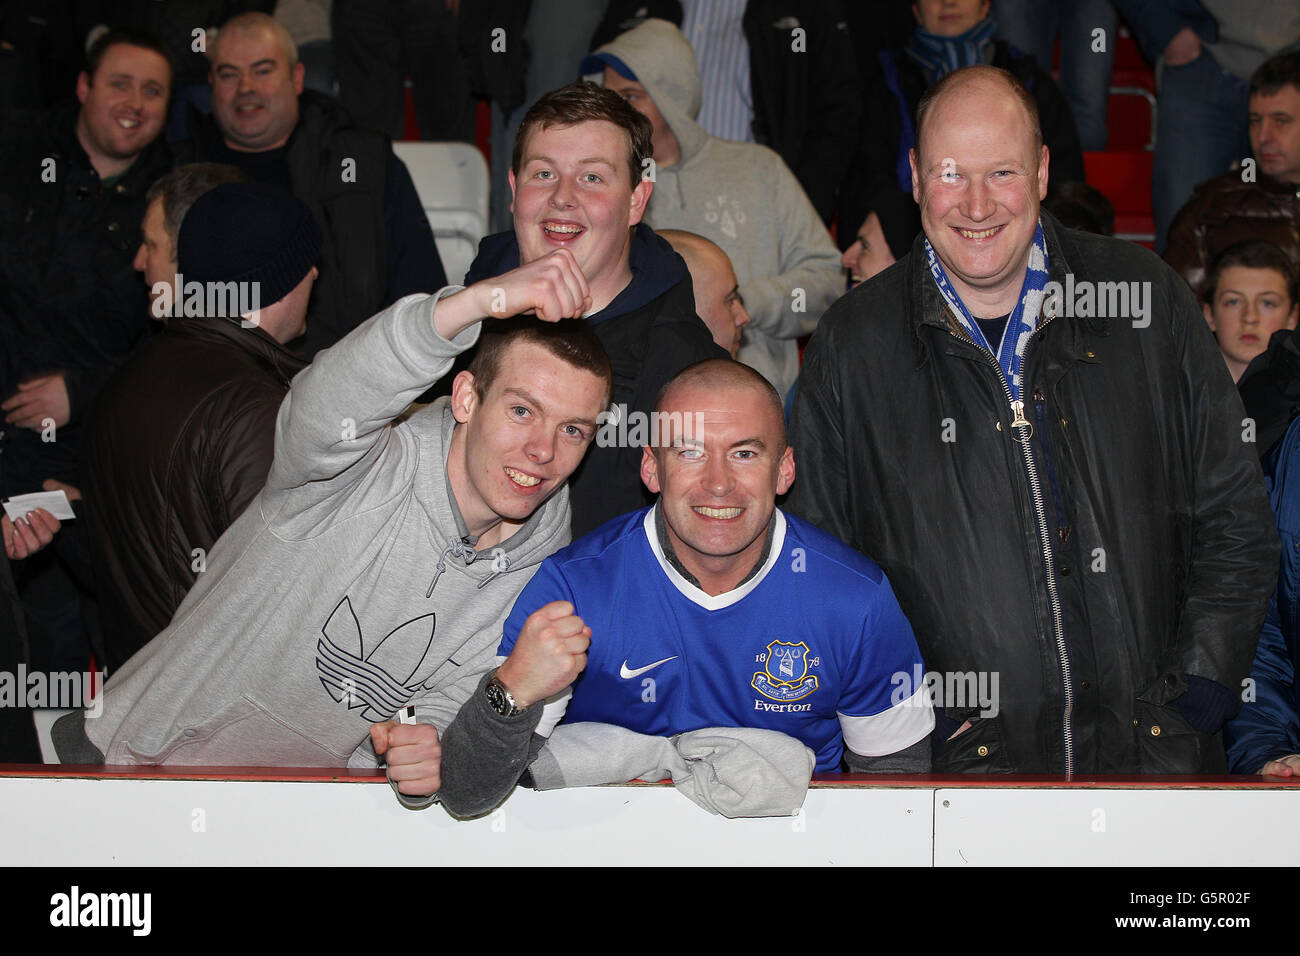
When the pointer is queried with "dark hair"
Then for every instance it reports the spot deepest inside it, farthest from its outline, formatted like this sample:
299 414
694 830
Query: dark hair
1081 206
125 36
1253 254
1275 73
179 189
570 340
723 373
966 75
581 103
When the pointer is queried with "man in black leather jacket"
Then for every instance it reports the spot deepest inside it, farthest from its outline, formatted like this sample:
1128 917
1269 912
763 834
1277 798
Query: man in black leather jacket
1100 542
184 434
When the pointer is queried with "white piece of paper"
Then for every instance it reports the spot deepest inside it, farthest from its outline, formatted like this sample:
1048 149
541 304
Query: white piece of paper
55 502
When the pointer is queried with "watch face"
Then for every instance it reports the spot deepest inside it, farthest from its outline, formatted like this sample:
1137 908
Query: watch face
496 695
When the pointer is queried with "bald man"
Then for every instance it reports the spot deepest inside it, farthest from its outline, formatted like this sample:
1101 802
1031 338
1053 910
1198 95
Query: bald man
714 608
717 293
378 245
1031 430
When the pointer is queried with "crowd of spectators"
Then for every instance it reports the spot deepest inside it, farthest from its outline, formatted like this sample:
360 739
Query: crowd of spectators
669 183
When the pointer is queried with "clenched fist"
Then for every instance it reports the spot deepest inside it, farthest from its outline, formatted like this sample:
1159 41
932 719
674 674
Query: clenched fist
548 655
551 288
414 755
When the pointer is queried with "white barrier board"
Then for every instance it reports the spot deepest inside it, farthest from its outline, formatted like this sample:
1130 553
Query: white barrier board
133 822
1095 827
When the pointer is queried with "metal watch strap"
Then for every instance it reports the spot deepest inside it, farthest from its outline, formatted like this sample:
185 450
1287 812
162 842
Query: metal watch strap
499 697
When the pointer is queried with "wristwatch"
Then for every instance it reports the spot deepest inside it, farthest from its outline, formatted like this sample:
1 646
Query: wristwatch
499 698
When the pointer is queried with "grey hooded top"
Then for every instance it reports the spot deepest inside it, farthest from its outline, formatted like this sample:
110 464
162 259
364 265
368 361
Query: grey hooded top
346 590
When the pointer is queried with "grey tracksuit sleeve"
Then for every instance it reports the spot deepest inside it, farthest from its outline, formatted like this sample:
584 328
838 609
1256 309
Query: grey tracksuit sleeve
731 771
484 754
337 411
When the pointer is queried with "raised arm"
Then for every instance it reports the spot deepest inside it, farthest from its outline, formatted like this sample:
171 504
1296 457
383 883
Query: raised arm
331 426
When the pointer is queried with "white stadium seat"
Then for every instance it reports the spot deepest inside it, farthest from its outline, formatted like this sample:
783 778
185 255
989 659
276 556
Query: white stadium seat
452 180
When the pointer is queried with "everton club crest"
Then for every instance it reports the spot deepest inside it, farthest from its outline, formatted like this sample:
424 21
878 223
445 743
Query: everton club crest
785 674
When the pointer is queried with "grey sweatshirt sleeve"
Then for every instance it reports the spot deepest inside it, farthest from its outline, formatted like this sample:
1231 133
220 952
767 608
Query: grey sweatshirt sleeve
484 754
808 261
337 409
731 771
913 759
589 754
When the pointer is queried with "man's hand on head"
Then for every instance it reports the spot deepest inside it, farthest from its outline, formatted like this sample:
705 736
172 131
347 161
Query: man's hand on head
1282 767
551 288
548 655
413 753
38 399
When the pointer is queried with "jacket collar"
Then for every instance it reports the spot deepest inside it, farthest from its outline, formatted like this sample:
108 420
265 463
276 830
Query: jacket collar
318 114
1270 185
256 342
924 306
150 163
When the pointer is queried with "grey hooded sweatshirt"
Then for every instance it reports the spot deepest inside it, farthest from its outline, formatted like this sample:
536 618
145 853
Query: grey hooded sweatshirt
346 590
743 197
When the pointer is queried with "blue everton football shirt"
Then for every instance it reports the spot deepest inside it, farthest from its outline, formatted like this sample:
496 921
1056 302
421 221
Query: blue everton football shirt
813 645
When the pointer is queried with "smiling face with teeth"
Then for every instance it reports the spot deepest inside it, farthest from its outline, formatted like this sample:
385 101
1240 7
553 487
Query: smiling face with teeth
979 177
255 86
719 488
573 191
123 106
518 443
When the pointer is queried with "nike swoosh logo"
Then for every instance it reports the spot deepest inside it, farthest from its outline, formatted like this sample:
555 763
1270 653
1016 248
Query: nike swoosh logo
626 674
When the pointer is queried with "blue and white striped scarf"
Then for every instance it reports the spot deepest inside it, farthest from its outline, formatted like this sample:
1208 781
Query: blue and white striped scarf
938 56
1010 352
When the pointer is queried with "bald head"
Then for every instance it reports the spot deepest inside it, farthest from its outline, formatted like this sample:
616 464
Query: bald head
978 84
716 377
720 470
696 250
256 79
253 24
979 173
717 293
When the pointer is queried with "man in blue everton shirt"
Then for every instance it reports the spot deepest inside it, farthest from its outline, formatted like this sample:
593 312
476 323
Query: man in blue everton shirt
715 609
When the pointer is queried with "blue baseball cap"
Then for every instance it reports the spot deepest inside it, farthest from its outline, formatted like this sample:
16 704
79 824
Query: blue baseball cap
596 63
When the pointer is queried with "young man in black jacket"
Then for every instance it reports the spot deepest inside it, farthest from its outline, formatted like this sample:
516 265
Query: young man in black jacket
72 191
577 181
1033 433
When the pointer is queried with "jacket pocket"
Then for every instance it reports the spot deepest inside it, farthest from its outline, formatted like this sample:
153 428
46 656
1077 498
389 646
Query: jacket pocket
978 750
242 734
1167 743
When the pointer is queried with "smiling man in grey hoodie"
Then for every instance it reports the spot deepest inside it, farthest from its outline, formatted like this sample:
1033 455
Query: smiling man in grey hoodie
371 576
740 195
